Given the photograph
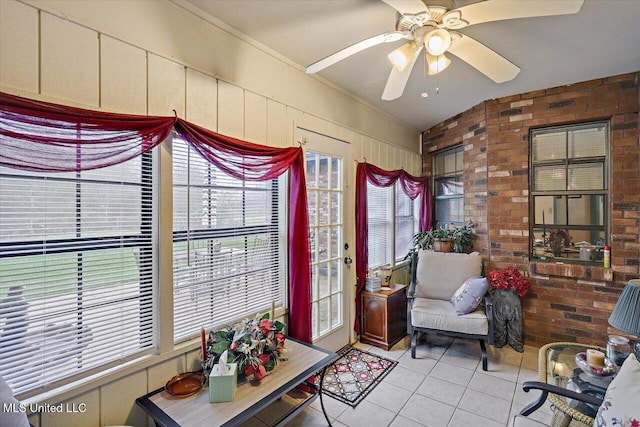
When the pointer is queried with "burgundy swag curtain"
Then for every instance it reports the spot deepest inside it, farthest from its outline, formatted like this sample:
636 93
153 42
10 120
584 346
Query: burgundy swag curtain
411 186
42 136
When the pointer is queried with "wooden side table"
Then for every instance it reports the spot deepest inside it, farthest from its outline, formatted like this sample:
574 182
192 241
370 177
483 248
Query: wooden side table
384 316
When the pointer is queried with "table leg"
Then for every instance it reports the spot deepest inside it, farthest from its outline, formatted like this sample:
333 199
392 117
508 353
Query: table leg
320 393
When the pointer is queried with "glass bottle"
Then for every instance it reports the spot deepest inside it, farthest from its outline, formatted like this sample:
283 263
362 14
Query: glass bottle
618 349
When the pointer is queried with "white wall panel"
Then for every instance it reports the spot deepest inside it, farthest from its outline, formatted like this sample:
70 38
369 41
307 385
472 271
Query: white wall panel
122 88
255 118
118 401
202 100
18 46
69 55
277 126
158 375
91 417
166 87
230 110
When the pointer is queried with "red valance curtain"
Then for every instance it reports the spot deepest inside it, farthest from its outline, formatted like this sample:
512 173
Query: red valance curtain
42 136
412 186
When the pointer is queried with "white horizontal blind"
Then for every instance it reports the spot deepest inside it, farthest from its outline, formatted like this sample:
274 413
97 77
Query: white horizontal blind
380 225
75 272
228 261
406 223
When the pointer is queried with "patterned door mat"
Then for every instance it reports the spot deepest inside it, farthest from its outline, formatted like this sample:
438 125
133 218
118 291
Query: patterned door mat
355 374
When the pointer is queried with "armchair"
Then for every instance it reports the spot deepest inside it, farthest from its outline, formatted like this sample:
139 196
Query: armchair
435 278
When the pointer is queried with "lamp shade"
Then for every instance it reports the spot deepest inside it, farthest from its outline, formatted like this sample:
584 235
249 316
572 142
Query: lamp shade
626 313
437 63
401 57
437 41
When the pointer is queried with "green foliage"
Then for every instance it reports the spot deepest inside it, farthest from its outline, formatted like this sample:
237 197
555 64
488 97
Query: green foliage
462 238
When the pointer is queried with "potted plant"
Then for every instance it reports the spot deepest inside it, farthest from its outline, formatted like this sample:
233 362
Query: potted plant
463 238
438 239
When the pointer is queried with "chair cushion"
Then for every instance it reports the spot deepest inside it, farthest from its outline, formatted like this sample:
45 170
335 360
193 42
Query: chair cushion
440 274
441 315
621 405
468 296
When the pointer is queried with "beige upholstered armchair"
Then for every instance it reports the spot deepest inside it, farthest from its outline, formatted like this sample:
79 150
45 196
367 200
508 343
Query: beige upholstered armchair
448 296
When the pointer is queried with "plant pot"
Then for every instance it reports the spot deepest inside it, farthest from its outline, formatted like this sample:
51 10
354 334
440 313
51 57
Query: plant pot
443 245
507 316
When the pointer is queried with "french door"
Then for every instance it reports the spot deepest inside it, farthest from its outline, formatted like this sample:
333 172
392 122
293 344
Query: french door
327 165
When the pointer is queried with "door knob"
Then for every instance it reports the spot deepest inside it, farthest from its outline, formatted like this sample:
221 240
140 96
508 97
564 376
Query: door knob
348 260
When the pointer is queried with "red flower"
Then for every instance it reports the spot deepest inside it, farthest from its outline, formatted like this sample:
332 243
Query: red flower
509 278
265 325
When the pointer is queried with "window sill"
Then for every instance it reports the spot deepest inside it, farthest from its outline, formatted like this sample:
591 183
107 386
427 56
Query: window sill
576 271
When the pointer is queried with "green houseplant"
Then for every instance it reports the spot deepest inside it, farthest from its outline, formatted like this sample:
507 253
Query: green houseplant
453 239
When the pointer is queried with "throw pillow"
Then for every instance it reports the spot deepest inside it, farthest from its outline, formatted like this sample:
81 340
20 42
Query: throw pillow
468 296
621 405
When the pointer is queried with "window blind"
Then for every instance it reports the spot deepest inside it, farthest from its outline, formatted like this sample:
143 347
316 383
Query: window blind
406 222
228 245
75 272
379 221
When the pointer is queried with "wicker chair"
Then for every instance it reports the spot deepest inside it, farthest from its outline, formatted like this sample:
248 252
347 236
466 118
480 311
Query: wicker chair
521 419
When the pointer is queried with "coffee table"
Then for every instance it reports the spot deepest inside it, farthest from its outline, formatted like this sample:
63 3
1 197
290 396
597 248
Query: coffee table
557 366
251 399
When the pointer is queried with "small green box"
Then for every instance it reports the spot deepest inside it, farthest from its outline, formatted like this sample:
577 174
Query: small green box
222 388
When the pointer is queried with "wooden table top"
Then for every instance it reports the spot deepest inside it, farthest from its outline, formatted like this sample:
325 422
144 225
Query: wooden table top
303 360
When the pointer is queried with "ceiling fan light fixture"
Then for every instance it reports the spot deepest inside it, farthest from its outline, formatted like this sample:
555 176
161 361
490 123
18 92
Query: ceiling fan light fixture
437 41
401 57
437 63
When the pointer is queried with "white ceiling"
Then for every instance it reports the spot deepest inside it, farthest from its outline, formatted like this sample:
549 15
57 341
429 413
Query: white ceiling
603 39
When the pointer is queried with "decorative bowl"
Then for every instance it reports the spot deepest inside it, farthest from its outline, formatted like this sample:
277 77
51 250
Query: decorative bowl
186 384
609 368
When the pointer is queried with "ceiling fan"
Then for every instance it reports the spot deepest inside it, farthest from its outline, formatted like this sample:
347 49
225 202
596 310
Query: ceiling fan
432 28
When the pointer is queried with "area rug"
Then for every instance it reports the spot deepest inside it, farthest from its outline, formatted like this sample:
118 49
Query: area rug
355 374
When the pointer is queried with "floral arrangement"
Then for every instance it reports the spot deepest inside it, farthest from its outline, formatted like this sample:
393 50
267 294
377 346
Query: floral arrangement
257 346
509 278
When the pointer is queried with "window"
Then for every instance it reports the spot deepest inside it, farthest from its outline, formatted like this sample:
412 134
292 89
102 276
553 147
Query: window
228 245
448 188
392 221
569 191
75 271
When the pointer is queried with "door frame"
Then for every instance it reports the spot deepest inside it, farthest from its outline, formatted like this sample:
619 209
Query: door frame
348 220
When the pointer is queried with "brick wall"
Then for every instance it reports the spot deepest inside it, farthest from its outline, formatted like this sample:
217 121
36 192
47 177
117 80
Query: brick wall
566 302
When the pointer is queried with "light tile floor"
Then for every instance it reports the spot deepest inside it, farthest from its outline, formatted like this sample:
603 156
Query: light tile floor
444 386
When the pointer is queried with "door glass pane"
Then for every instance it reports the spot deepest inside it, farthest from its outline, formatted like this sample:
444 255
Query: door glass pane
325 213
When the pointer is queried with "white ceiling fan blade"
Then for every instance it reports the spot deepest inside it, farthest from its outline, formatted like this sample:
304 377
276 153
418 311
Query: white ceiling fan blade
413 7
483 59
355 48
398 79
499 10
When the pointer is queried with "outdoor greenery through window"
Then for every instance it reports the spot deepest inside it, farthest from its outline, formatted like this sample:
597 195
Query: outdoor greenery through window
448 188
228 244
392 219
569 191
75 271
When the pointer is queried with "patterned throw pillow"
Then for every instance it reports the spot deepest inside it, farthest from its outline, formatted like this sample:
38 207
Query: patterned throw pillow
621 405
468 296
